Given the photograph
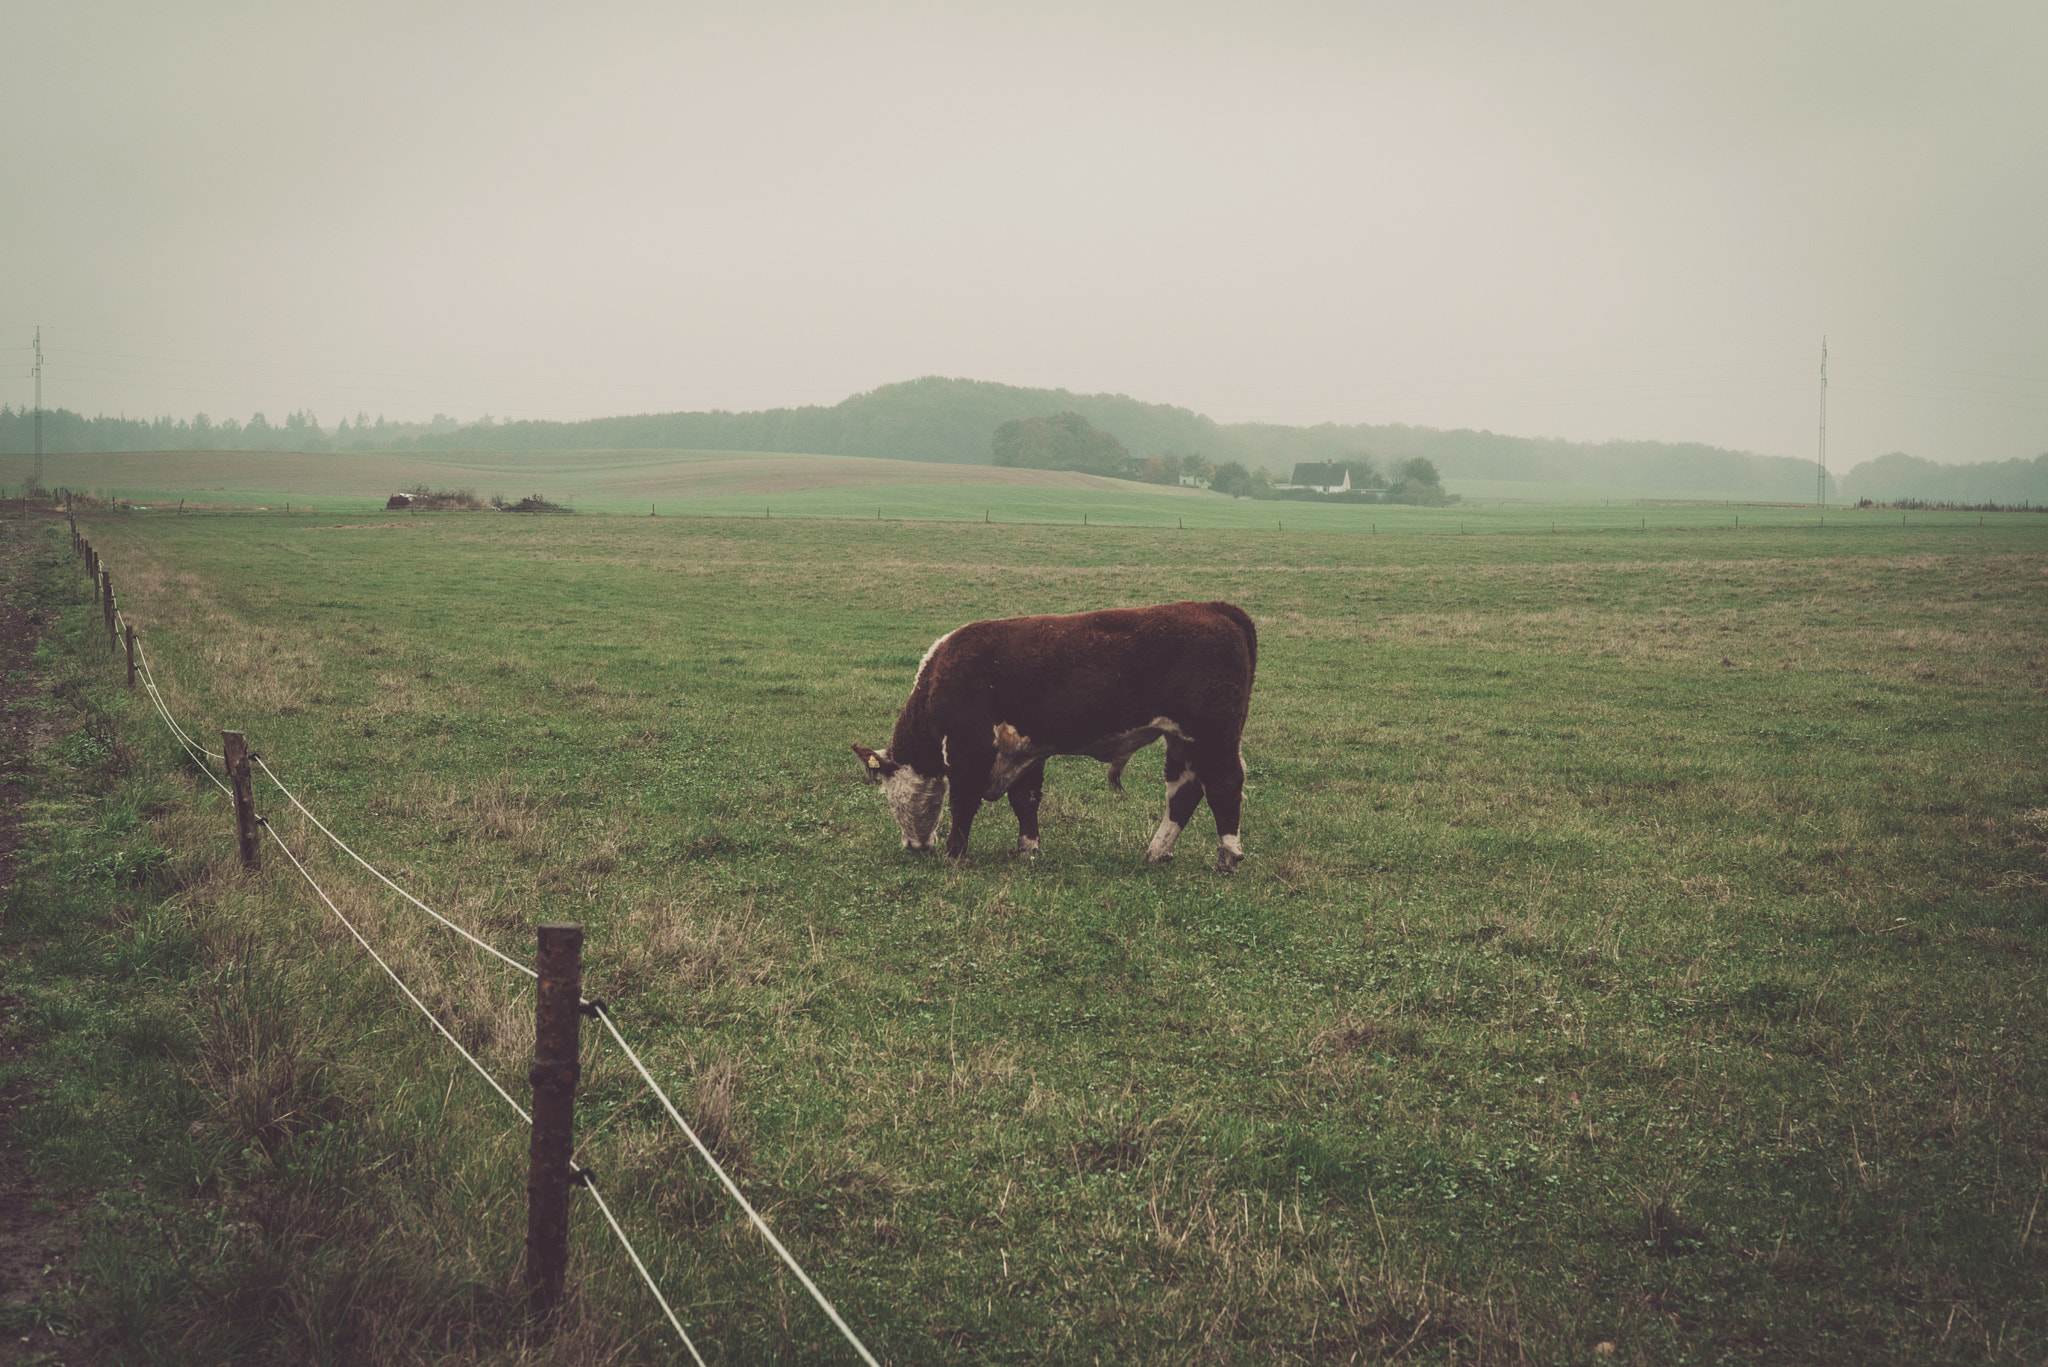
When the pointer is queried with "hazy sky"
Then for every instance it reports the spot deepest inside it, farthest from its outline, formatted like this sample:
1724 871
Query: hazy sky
1576 219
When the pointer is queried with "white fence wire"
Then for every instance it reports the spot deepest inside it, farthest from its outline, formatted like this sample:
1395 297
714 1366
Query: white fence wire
199 754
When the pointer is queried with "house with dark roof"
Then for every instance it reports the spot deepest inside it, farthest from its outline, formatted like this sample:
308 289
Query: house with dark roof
1331 476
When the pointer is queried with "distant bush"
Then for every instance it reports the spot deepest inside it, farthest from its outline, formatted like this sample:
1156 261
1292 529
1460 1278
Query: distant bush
443 500
532 503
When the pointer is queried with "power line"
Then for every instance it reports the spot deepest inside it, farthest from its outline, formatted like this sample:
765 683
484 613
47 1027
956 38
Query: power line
39 405
1820 483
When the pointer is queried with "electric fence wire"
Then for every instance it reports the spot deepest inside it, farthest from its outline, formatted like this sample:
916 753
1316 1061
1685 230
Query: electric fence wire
598 1008
482 1072
605 1016
149 678
193 750
484 945
732 1189
590 1185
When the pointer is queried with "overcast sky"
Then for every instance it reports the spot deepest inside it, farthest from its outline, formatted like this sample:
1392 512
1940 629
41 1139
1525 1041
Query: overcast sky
1579 219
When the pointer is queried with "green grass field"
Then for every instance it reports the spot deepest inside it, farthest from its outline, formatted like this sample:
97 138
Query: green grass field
1639 955
754 484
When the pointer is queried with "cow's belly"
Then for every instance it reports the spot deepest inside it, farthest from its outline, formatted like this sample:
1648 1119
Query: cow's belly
1119 747
1016 752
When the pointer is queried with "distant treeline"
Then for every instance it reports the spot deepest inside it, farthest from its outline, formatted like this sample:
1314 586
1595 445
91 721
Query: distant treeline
952 420
69 433
1899 478
937 419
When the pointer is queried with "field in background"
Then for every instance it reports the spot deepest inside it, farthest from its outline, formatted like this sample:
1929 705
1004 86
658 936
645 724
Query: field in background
672 482
1545 494
1641 944
750 484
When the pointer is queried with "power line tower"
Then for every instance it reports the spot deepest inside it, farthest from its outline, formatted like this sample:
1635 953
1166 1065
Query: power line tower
1820 483
39 407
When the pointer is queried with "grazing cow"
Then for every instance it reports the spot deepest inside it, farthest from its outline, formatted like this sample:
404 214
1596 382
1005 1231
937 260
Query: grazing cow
994 700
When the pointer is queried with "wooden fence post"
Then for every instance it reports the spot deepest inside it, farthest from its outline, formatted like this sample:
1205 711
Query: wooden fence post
234 749
558 998
107 607
131 659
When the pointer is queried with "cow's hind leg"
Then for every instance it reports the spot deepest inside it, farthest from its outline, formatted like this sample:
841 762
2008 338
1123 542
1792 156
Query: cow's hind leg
1222 772
1183 795
1025 795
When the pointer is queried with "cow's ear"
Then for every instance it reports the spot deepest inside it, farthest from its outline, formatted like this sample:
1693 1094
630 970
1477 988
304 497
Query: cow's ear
874 764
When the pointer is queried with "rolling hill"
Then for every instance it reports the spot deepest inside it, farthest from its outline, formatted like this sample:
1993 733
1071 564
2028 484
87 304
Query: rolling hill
952 422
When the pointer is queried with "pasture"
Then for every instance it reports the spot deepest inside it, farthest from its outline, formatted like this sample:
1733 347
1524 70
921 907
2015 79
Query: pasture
672 483
1639 954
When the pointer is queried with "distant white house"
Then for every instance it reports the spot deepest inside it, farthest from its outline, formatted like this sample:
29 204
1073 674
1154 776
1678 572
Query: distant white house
1321 477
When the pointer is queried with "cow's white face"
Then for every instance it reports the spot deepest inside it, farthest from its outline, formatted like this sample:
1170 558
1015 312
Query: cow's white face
914 799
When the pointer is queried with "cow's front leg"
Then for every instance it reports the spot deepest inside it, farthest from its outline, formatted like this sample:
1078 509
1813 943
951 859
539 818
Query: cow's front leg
1183 795
969 771
1025 795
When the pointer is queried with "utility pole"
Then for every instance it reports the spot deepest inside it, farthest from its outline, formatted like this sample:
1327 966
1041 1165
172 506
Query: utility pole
1820 484
39 406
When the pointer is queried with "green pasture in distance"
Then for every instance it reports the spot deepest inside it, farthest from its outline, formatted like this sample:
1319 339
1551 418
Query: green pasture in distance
1135 507
361 481
1642 941
1569 494
750 484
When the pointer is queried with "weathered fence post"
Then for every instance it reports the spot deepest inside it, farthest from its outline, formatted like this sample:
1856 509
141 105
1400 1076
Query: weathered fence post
107 607
234 749
558 999
131 658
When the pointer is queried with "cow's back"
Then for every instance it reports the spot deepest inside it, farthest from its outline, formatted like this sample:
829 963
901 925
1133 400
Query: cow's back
1068 679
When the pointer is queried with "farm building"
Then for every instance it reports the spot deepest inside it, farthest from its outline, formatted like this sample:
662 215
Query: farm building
1332 476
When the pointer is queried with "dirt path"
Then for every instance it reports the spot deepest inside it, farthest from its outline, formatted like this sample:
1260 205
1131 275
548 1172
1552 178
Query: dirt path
37 1236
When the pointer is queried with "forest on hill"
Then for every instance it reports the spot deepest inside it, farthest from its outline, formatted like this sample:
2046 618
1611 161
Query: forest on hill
1898 477
956 421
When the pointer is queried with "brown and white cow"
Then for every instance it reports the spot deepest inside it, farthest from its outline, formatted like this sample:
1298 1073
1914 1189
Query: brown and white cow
994 700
